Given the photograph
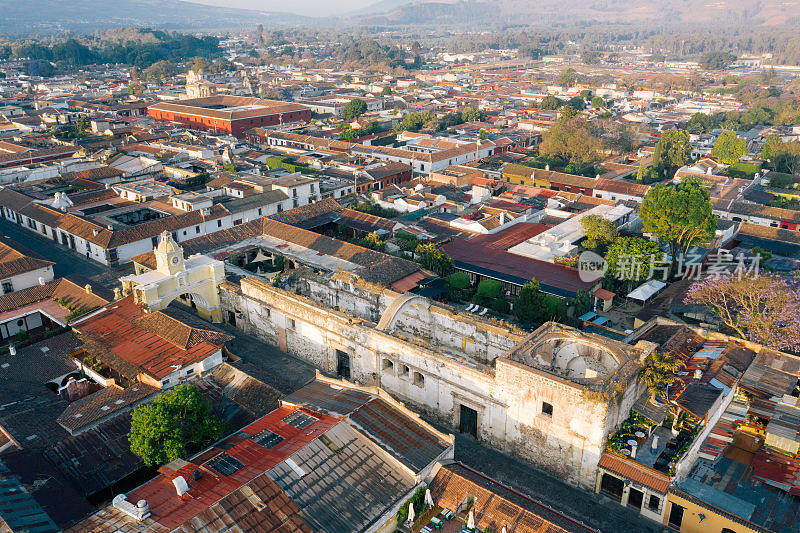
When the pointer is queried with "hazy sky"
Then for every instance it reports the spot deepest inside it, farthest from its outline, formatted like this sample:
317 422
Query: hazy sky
301 7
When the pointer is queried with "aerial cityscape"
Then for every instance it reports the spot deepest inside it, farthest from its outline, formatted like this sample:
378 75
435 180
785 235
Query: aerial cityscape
399 266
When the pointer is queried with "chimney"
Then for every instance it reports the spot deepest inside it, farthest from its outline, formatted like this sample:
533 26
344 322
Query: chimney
42 281
95 232
633 451
654 445
87 288
117 293
12 349
698 374
181 487
547 167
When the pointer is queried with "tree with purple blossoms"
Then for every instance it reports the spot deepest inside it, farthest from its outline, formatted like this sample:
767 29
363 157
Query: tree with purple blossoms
763 309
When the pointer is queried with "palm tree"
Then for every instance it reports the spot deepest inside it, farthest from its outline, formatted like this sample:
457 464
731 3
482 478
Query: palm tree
658 372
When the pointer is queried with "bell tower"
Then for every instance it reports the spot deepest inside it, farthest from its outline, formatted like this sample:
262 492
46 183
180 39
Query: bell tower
169 255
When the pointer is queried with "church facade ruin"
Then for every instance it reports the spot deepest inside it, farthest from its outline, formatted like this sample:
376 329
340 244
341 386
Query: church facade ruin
550 397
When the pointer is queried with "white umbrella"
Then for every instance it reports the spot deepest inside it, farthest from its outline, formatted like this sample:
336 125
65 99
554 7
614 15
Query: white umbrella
471 520
428 498
410 513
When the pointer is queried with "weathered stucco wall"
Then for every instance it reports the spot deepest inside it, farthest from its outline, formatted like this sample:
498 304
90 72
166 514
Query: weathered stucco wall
421 361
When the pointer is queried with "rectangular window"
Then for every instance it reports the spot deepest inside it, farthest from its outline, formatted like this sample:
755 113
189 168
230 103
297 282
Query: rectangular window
7 287
654 503
219 223
547 409
676 516
197 229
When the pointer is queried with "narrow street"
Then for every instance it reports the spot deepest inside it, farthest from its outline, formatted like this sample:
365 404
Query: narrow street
68 263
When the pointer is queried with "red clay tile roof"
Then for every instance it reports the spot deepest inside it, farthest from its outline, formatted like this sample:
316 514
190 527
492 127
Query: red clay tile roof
634 471
62 289
202 107
13 262
118 329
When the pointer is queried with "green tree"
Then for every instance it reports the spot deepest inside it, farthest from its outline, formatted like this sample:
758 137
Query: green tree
550 102
672 151
679 215
591 57
788 158
160 70
372 241
175 424
598 102
640 174
659 371
415 121
470 114
699 123
569 77
386 91
772 146
729 148
488 289
577 102
82 126
717 60
567 113
354 109
629 259
572 140
406 241
582 302
529 306
434 259
458 286
598 231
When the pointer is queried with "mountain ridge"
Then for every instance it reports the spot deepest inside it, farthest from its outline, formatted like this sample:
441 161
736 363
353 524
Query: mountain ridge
53 16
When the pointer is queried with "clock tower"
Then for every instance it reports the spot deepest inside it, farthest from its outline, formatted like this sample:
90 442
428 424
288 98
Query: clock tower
169 255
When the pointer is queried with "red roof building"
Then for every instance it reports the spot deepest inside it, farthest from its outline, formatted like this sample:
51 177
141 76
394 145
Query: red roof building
153 347
229 114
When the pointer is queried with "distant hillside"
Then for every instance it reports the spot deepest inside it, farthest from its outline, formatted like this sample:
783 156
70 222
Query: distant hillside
380 7
549 12
49 16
